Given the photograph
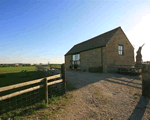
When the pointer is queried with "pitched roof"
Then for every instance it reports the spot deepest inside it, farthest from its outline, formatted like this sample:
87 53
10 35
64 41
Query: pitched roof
98 41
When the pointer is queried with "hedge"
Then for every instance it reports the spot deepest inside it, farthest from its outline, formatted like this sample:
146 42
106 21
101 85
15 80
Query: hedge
96 69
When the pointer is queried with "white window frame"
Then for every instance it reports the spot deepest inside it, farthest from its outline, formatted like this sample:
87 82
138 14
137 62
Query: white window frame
120 50
76 59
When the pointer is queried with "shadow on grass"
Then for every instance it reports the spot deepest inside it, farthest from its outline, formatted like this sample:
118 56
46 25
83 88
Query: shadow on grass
19 77
14 104
140 109
29 110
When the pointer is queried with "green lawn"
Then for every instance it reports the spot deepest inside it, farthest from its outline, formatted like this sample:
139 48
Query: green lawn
16 69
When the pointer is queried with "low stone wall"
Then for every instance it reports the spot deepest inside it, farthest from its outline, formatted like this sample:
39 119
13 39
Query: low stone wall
111 69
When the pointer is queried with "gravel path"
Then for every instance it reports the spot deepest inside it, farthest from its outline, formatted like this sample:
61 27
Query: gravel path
105 96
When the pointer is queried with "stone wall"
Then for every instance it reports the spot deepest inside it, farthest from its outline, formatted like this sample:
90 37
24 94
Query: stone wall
104 52
68 61
113 58
90 58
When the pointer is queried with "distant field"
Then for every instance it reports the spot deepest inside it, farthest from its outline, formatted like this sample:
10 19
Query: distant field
16 69
13 75
54 65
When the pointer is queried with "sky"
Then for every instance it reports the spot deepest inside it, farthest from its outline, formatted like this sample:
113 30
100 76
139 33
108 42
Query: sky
38 31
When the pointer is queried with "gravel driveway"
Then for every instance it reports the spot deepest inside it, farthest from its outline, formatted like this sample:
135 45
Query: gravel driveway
81 79
101 96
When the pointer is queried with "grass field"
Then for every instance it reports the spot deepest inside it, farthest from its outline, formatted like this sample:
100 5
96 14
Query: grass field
16 69
19 69
54 65
19 77
15 75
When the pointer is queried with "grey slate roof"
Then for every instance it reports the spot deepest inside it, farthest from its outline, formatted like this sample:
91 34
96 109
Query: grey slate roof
98 41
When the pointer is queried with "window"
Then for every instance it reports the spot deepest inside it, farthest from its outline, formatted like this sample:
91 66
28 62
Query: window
120 49
76 59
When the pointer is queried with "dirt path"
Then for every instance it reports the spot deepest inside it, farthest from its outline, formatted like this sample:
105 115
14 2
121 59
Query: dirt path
104 97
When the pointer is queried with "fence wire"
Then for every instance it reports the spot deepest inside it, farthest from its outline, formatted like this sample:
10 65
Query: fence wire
20 101
30 98
55 90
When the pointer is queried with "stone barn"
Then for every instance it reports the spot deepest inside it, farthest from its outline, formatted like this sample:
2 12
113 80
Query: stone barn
107 49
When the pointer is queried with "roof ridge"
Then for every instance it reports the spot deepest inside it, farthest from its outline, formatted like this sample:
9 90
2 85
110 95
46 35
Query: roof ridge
95 42
98 35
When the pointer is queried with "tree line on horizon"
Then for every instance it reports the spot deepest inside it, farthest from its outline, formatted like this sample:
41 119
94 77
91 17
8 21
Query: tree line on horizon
14 65
26 65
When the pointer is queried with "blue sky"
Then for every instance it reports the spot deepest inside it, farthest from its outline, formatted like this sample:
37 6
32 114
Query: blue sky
38 31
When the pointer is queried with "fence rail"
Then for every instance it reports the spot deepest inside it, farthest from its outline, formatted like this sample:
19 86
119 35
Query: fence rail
27 83
20 92
43 87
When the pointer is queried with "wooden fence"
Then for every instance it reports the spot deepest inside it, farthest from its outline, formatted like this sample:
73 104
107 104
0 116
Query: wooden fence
43 86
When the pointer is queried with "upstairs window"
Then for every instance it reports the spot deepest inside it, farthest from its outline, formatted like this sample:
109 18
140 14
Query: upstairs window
120 49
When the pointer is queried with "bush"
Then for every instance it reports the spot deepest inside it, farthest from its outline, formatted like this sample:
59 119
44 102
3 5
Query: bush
70 66
84 70
96 69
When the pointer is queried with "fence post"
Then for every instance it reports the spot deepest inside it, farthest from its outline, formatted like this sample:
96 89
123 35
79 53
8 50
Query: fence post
146 80
46 90
63 76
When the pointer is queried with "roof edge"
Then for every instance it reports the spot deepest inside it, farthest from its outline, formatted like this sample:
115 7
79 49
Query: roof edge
127 38
85 50
98 35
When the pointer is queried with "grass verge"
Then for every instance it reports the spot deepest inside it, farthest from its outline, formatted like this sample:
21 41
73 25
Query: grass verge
26 111
41 110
